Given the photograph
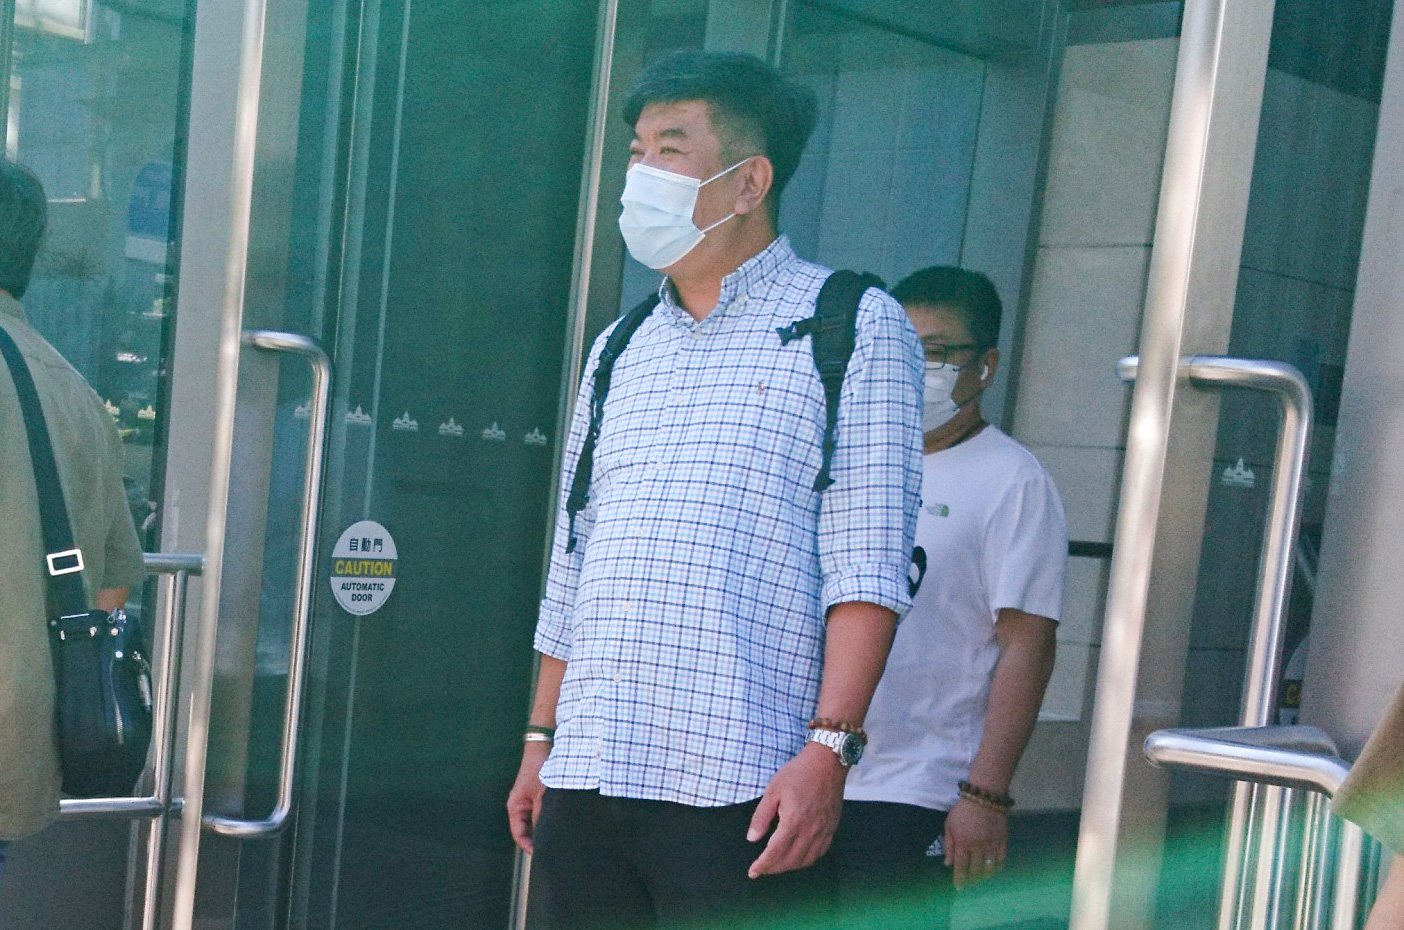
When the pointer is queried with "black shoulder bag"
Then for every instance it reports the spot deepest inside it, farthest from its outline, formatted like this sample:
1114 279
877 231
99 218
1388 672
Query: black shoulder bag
102 681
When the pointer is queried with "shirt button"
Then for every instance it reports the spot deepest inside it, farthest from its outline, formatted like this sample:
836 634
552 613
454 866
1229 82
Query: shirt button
697 334
618 679
628 609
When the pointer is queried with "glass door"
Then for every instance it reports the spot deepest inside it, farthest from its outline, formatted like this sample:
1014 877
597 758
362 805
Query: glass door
92 102
464 181
406 181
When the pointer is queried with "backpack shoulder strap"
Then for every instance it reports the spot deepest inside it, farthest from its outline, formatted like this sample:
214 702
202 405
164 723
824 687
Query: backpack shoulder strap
599 389
832 337
63 561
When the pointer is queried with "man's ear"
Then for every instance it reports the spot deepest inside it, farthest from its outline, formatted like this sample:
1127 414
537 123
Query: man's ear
757 177
990 365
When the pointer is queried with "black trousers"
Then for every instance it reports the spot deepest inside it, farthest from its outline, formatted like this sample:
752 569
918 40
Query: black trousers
621 864
885 879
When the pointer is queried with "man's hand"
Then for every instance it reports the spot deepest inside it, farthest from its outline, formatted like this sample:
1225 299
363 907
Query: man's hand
524 800
977 840
807 797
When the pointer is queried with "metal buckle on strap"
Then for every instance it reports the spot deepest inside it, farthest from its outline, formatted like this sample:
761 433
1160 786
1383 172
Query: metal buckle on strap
53 559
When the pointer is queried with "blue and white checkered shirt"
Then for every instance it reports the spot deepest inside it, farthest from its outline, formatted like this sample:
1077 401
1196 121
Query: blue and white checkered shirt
691 614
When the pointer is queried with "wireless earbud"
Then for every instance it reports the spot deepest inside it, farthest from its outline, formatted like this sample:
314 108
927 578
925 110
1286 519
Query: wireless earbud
984 372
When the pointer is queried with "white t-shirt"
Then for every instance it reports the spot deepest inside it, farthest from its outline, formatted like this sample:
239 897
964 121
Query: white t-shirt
992 535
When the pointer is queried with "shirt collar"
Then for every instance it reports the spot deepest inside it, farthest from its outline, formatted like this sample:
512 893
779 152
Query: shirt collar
749 279
11 308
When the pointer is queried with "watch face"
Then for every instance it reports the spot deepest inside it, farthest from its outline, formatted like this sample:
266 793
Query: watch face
851 749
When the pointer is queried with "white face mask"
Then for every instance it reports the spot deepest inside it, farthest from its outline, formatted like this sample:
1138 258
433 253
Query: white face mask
657 216
938 405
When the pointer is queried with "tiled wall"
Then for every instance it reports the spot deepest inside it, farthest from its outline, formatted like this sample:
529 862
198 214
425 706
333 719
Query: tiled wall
1084 312
884 183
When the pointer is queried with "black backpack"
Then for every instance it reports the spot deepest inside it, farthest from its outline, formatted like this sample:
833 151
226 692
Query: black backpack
832 330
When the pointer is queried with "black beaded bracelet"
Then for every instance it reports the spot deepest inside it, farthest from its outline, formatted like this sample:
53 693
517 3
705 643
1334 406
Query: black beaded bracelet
980 795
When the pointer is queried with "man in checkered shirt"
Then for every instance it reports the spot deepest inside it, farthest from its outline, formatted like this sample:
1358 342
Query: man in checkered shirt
713 627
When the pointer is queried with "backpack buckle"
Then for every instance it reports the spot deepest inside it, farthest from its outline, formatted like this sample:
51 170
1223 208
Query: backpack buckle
797 330
76 565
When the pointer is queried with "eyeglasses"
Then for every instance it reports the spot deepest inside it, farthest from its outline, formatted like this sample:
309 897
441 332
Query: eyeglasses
939 354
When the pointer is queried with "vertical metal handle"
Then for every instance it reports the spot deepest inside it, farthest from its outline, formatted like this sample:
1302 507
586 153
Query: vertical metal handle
1284 507
1274 582
308 349
1293 395
164 724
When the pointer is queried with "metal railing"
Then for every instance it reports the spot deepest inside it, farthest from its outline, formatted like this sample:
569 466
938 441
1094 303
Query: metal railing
157 806
1280 765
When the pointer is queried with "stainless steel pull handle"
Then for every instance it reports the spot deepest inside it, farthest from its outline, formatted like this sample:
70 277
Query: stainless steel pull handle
1274 575
1297 757
308 349
1289 466
1292 757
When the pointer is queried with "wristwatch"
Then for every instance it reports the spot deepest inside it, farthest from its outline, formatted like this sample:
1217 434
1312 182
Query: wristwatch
847 746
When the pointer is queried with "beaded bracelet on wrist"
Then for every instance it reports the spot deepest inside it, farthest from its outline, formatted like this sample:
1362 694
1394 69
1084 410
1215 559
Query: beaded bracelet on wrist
983 797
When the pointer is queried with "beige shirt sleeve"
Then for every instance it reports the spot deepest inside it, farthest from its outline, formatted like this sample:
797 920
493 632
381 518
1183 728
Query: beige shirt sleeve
1373 793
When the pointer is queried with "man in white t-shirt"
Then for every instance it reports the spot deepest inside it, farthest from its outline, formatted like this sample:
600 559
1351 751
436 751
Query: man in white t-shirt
927 810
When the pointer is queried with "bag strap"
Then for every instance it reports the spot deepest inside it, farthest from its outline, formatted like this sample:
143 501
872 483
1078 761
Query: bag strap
833 333
604 370
63 561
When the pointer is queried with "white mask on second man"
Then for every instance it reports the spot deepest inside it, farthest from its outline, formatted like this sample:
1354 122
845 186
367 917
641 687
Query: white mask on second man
938 406
657 217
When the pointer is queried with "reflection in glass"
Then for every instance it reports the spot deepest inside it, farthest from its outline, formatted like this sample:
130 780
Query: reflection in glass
93 109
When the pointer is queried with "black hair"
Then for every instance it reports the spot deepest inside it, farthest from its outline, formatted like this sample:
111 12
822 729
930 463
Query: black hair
751 103
969 293
24 216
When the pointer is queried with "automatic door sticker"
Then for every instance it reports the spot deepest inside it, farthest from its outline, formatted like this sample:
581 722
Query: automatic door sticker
363 568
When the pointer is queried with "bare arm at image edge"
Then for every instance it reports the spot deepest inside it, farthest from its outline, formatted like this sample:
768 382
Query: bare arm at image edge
977 838
1373 797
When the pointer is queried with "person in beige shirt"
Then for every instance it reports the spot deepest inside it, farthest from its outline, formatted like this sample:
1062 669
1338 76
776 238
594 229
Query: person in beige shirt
89 457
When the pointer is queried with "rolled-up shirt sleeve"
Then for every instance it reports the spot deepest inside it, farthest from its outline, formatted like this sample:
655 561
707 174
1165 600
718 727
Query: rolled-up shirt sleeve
553 625
867 518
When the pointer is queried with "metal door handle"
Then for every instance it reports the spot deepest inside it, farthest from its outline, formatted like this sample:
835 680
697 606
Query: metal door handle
1289 466
1298 757
308 349
1274 573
